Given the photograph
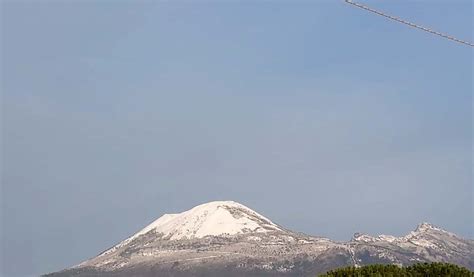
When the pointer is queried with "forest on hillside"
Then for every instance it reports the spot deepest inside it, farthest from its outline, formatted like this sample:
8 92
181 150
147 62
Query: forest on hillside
416 270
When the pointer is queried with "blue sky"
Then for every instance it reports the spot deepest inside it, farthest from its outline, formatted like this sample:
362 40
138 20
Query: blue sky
325 118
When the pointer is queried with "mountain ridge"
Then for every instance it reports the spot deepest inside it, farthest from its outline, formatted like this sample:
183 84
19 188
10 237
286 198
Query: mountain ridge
229 238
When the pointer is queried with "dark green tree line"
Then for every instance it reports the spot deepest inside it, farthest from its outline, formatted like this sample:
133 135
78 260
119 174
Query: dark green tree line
416 270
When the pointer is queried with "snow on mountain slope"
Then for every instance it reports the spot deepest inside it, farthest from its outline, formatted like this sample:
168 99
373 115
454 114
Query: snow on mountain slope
421 236
215 218
222 237
210 219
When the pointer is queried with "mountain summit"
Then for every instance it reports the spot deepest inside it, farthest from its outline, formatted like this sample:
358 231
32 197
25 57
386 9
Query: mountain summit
211 219
426 227
225 238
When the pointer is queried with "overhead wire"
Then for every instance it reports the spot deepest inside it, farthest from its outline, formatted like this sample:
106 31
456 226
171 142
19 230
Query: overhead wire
413 25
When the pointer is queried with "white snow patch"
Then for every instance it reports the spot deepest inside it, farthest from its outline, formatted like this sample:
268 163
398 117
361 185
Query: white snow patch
210 219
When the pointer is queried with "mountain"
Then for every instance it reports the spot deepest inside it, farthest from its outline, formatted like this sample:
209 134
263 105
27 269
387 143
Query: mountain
225 238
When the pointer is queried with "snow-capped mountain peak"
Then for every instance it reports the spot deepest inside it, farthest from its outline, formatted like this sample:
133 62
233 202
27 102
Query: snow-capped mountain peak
421 230
210 219
216 218
426 227
227 237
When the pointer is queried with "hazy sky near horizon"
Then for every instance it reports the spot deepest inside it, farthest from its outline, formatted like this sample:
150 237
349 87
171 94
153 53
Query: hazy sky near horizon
324 118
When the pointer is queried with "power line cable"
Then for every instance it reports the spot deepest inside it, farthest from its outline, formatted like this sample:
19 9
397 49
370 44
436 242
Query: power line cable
409 23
